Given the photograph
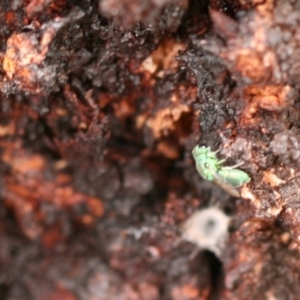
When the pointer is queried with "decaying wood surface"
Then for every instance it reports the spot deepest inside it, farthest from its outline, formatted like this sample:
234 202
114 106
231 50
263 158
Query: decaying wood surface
102 103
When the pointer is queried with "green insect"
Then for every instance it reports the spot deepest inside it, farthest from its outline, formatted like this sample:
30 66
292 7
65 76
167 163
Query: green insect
210 168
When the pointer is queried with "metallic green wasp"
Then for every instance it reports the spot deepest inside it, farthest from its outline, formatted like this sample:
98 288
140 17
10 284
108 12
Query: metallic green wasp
210 168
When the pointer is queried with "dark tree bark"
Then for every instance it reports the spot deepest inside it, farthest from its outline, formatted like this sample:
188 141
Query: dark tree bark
102 103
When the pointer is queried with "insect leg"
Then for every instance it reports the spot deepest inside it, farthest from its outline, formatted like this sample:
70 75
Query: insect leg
232 167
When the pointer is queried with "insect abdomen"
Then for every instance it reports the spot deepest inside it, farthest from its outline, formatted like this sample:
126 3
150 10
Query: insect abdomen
234 177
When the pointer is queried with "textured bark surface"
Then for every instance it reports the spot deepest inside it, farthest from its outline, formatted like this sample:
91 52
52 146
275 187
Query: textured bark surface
101 104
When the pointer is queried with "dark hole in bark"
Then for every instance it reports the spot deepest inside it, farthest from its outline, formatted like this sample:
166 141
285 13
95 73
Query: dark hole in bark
217 277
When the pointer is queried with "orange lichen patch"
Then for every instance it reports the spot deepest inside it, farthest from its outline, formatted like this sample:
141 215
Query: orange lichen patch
53 192
28 164
271 179
6 130
16 192
149 65
25 198
103 100
165 120
24 56
124 107
61 164
30 184
56 7
14 198
21 52
249 64
168 149
272 211
285 238
52 237
163 58
253 62
250 53
187 292
66 196
95 206
20 161
265 7
247 194
140 121
10 17
270 97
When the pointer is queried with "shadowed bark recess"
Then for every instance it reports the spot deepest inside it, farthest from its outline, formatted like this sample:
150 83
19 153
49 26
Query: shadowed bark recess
101 105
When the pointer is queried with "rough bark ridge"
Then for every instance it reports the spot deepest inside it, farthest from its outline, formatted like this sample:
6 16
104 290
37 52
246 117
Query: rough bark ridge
102 103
